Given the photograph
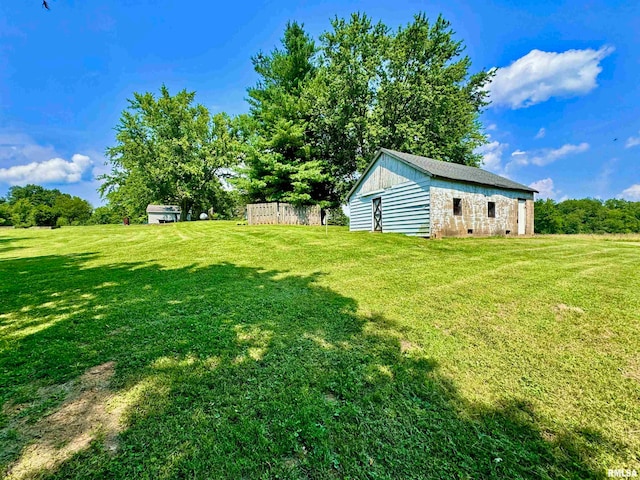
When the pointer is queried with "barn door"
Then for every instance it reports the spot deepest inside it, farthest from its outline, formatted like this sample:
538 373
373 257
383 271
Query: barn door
522 216
377 214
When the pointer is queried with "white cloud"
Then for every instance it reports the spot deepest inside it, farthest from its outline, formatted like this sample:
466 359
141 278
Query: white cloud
545 156
518 159
545 188
632 142
632 193
492 156
491 127
23 161
19 148
541 133
493 153
55 170
539 75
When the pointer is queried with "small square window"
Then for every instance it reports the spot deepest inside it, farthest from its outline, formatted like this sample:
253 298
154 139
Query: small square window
491 209
457 206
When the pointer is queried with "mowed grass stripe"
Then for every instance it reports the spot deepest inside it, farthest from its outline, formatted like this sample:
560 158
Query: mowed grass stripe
273 351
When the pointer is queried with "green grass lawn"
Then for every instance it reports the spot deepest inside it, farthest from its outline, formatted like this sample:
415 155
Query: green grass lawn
215 350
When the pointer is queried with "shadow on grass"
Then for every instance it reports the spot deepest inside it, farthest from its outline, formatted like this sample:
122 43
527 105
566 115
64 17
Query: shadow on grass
8 244
233 372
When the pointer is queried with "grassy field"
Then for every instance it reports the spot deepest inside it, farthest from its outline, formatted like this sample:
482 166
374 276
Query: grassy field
215 350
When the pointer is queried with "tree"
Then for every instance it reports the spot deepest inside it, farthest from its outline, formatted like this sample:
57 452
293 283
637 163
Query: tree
427 102
105 215
35 205
36 194
318 115
5 214
410 90
21 213
167 150
547 217
279 161
43 216
343 95
74 210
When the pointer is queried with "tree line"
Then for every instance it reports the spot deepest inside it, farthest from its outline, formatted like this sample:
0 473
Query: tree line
33 205
36 206
317 114
587 215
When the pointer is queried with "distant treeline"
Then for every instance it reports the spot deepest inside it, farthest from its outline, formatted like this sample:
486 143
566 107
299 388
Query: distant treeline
33 205
588 215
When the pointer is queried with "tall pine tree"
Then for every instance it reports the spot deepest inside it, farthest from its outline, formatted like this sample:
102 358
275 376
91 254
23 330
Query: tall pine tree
279 161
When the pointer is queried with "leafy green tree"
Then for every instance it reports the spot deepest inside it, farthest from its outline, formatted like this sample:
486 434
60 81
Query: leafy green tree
74 210
36 195
35 205
343 96
547 217
427 102
5 214
615 222
167 150
227 205
623 216
43 216
105 215
22 213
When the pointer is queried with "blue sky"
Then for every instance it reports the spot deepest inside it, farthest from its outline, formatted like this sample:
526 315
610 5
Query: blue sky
565 117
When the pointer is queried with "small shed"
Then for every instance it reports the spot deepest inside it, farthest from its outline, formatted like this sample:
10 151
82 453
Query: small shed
163 213
404 193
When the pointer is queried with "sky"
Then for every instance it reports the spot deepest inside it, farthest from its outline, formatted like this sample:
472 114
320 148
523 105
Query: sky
564 118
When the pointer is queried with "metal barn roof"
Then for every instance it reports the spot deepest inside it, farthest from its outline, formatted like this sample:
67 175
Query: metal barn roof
448 170
163 209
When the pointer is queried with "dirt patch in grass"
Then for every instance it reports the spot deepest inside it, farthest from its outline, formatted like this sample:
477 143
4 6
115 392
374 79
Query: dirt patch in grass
562 308
406 346
331 398
87 413
633 370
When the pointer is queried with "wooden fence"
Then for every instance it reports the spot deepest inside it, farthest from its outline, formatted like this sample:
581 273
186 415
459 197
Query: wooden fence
283 213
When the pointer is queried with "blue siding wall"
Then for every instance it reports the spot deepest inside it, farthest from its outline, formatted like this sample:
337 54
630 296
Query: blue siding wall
406 209
360 213
405 203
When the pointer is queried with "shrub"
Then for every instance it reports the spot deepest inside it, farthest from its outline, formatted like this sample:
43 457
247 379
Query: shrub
337 217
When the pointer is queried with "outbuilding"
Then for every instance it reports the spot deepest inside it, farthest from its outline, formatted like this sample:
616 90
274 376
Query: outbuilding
404 193
163 213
